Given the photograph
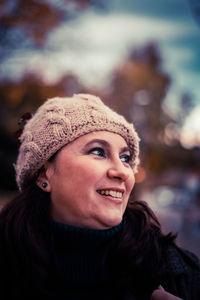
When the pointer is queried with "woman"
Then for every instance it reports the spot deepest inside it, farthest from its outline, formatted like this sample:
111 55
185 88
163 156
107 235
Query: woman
73 233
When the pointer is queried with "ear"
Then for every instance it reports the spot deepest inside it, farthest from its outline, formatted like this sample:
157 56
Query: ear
44 177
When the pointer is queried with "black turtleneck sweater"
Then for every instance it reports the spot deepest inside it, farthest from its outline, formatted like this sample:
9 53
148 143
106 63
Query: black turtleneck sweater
79 258
77 268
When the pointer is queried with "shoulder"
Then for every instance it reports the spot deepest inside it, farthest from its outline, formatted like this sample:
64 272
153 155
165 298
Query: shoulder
180 260
181 273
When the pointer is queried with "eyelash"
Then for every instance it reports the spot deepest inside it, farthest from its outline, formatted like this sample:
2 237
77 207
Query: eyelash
101 153
127 158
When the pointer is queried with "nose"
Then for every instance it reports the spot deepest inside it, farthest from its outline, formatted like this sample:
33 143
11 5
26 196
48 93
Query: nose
118 171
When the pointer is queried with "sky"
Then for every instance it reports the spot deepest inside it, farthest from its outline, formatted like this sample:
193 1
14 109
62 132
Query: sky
92 45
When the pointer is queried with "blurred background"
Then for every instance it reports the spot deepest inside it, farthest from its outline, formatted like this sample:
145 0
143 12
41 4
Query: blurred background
142 58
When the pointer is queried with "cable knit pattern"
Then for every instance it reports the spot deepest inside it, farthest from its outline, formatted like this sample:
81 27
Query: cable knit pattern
60 121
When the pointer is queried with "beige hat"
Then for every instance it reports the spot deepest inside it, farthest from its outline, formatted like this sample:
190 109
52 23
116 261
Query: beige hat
59 121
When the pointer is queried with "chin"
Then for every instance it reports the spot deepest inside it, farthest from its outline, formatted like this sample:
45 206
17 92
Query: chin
112 222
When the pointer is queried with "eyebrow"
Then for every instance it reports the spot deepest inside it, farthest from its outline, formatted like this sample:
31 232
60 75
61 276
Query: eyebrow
106 144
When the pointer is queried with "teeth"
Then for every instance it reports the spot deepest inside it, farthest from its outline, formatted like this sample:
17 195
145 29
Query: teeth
112 193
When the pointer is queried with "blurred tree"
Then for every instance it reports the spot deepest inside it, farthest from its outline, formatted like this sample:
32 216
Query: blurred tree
27 24
138 90
27 94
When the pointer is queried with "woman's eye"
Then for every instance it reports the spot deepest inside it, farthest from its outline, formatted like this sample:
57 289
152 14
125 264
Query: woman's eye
98 152
125 158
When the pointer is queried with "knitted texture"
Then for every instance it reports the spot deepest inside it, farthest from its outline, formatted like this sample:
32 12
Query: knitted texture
59 121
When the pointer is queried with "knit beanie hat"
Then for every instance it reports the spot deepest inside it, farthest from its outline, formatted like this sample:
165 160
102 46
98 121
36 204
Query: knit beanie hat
59 121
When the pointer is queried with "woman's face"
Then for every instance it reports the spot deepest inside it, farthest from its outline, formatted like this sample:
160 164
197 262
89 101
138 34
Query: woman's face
90 181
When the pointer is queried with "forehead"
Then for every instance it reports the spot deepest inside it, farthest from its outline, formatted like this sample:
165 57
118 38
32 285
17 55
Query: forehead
113 141
111 138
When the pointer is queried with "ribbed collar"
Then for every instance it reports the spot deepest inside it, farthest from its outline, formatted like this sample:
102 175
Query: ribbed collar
84 237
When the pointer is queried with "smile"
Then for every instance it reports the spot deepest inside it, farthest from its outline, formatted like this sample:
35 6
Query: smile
112 193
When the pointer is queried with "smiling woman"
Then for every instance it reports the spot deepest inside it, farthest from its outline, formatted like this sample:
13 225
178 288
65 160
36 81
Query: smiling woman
74 232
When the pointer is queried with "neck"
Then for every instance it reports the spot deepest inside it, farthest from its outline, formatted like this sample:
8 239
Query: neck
85 236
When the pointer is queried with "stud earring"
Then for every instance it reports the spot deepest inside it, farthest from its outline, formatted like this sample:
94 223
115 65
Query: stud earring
44 185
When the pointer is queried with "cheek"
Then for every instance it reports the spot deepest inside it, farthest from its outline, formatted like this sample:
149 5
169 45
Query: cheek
131 182
79 177
85 175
